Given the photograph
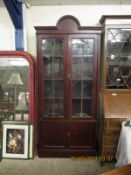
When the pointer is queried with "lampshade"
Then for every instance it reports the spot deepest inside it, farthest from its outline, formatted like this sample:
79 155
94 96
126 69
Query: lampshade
15 79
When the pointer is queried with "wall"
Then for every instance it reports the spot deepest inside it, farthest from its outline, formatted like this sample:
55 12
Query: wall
7 37
88 15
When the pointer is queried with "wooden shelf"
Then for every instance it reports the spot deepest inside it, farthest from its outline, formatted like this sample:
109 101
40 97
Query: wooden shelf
81 98
50 98
48 79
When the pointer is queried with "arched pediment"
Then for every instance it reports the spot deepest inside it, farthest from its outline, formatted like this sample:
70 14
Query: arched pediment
69 23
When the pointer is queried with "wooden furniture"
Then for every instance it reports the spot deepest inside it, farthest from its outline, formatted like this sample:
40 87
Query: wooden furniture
116 84
68 57
117 54
116 108
125 170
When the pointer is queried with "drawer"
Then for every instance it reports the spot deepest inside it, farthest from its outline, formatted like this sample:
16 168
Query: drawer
112 132
109 151
113 123
110 140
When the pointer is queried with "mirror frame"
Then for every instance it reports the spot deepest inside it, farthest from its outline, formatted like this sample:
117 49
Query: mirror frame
31 78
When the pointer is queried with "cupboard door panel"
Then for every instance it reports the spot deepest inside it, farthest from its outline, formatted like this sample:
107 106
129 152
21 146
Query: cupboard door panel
82 135
52 134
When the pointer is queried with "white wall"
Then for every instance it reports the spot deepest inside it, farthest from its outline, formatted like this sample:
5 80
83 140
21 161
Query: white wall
7 37
88 15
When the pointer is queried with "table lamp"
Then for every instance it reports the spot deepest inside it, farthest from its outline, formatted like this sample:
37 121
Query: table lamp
15 81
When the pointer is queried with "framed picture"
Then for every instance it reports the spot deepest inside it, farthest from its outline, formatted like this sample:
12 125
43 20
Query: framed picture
31 141
15 141
0 146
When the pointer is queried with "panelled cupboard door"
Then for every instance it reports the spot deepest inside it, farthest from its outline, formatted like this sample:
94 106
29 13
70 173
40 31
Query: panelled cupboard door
67 89
80 135
52 134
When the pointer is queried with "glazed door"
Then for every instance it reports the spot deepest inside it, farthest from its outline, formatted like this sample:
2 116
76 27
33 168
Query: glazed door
83 76
83 69
53 77
68 77
52 127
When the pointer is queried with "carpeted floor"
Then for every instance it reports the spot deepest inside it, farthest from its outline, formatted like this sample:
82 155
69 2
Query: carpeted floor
53 166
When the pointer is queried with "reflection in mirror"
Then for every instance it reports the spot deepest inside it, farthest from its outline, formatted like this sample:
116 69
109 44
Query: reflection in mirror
14 94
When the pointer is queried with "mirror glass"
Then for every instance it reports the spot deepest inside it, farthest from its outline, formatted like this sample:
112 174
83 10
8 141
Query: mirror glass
14 92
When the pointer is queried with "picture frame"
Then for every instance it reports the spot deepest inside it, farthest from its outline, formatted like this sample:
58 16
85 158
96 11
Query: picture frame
0 146
31 141
15 140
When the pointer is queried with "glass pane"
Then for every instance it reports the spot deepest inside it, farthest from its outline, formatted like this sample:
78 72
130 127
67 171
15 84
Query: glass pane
14 94
82 77
81 108
119 59
53 107
53 77
53 88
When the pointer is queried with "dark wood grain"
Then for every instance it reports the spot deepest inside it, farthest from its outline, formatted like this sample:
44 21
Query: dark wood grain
67 136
